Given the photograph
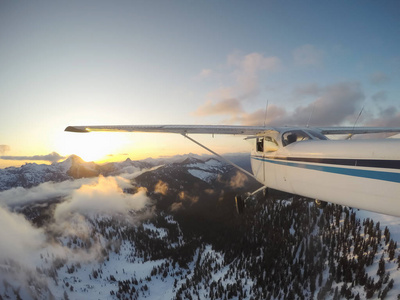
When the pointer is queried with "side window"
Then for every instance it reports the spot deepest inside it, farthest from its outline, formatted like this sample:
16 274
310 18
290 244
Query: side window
270 144
260 145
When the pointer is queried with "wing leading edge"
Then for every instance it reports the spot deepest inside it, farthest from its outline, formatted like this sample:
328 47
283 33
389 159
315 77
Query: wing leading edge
225 129
182 129
357 130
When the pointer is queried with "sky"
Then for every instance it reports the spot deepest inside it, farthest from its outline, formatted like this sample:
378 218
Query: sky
188 62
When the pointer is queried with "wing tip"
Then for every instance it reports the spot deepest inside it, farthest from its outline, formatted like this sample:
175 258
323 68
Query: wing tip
76 129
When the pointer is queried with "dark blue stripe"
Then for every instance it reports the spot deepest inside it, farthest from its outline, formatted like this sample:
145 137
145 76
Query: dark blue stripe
379 175
371 163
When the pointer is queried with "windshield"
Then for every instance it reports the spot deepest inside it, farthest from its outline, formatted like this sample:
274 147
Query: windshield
293 136
297 135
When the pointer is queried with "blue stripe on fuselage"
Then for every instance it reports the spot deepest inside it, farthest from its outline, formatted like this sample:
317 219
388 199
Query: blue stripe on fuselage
371 174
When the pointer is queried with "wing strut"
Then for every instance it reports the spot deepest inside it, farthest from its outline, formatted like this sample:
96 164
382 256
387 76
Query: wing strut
223 158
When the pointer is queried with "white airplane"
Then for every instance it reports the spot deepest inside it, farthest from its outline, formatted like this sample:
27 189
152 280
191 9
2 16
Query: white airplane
362 173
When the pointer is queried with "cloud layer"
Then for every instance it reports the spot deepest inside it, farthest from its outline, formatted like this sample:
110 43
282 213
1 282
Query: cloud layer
52 157
333 105
103 197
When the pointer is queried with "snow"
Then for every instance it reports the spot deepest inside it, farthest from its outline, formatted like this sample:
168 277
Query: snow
203 175
209 165
160 232
206 171
85 286
393 223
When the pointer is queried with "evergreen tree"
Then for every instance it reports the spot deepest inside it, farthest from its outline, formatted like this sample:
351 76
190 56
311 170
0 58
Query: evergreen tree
381 268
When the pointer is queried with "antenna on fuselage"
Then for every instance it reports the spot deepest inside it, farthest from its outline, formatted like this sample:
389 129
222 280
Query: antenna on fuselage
266 115
309 118
355 123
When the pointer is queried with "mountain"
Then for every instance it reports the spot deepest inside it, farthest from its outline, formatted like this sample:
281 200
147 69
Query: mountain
74 167
33 174
185 241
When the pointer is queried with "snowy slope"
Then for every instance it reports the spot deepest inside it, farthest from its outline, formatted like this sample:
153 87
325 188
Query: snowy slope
206 171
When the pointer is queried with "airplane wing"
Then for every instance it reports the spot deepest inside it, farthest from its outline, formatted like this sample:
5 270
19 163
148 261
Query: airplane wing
357 130
224 129
182 129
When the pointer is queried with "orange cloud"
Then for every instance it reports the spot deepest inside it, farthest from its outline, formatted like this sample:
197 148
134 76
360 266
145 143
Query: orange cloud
161 187
238 180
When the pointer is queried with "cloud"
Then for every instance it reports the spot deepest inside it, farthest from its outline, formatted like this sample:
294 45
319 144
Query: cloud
307 55
22 243
315 105
252 63
275 116
4 149
378 78
18 238
333 105
247 71
379 96
242 82
311 89
161 187
385 117
238 180
20 196
52 157
48 190
103 197
176 206
338 103
223 107
184 199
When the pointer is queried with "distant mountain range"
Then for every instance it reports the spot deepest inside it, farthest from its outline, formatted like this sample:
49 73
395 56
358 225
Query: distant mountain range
74 167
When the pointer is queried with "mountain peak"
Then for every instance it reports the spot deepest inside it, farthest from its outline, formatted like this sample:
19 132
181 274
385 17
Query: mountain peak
191 160
76 159
80 168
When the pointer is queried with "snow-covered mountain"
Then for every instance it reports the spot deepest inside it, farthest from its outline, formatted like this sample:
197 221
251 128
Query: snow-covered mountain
73 167
171 232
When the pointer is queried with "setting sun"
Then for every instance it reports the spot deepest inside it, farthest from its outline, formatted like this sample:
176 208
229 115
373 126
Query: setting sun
91 147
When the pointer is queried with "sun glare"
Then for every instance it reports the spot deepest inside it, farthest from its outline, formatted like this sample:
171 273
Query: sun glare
104 147
91 147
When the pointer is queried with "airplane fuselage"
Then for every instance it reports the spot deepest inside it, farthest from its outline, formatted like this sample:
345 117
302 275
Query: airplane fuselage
359 173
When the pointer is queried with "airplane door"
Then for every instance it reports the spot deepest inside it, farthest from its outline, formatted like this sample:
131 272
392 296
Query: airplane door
269 153
257 160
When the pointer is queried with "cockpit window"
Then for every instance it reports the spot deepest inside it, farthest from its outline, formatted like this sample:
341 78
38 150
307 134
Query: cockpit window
266 144
295 136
